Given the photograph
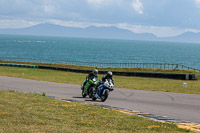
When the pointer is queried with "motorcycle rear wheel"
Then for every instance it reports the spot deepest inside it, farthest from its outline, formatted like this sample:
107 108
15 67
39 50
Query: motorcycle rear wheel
90 92
94 98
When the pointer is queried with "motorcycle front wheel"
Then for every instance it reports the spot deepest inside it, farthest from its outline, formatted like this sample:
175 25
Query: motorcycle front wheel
83 94
105 95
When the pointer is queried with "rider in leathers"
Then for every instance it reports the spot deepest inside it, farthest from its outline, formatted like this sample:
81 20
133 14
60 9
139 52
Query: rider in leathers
107 76
103 79
91 75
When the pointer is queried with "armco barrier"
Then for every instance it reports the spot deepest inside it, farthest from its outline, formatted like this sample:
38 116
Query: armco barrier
182 76
165 66
18 65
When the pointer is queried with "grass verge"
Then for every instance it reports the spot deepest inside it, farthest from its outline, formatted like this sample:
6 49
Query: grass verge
140 83
21 112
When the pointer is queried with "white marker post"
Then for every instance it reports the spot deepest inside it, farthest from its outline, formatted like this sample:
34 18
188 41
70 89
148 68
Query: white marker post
184 85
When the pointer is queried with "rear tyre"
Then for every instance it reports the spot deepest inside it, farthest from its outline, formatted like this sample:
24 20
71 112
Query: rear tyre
94 98
93 95
90 92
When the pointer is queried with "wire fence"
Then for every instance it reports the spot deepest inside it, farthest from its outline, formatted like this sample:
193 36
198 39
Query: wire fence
98 64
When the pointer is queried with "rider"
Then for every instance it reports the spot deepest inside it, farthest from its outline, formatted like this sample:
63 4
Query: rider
104 78
91 75
108 76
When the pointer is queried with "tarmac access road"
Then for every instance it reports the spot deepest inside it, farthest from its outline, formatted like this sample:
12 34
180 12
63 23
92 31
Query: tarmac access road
174 105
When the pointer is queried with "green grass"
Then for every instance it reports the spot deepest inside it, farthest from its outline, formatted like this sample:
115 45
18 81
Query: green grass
153 84
21 112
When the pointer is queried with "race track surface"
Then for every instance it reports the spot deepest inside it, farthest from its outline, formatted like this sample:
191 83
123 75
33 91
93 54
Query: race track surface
174 105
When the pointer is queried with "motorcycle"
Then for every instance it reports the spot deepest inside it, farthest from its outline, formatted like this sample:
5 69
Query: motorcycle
103 90
89 86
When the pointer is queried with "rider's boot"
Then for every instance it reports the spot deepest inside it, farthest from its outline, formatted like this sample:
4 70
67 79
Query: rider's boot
86 86
95 92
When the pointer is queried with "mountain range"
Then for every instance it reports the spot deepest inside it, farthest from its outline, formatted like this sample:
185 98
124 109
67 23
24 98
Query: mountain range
111 32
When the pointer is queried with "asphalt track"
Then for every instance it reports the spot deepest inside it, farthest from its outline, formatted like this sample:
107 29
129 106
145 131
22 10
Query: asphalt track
174 105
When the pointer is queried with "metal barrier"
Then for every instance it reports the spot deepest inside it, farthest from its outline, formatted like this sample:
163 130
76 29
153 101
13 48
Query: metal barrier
182 76
18 65
98 64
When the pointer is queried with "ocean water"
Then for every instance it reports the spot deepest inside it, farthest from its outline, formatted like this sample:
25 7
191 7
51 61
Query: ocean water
99 50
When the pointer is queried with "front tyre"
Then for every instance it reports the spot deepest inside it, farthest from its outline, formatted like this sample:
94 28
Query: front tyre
104 95
83 94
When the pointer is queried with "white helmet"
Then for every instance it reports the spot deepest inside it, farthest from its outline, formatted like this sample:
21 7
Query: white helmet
109 74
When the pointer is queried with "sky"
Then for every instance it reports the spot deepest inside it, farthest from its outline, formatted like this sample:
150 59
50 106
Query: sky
163 18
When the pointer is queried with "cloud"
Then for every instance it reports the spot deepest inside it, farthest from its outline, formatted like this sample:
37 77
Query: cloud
77 24
96 1
96 4
17 23
100 2
109 3
49 8
138 6
197 2
141 15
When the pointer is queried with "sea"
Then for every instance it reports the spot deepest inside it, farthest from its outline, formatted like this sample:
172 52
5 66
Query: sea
98 50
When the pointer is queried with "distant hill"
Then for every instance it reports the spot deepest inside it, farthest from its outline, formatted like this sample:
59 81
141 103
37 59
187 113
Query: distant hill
111 32
88 32
185 37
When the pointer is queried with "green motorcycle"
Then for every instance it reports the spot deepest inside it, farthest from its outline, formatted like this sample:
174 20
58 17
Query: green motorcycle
89 86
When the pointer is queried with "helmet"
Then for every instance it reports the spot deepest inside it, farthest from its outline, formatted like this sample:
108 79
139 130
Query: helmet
95 72
109 74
